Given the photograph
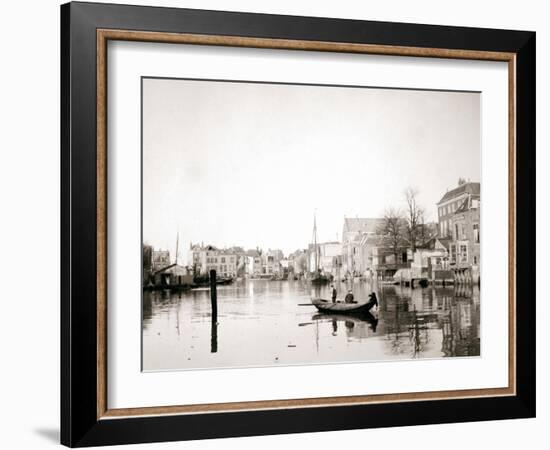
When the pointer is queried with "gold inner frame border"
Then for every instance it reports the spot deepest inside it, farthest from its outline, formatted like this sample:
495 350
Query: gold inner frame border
104 35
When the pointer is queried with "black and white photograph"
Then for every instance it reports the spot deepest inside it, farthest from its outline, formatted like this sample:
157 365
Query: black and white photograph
290 224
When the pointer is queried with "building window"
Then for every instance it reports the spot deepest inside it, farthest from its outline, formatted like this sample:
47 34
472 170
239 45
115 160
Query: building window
456 231
475 259
453 253
404 257
463 253
223 260
476 233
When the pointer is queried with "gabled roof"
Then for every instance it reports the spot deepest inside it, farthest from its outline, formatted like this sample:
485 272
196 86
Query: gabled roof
428 245
377 240
445 242
468 188
374 240
363 225
203 247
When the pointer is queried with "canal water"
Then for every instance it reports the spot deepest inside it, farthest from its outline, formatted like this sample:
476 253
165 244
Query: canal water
265 323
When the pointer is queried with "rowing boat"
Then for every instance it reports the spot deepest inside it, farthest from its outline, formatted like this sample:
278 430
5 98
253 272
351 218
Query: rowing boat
328 306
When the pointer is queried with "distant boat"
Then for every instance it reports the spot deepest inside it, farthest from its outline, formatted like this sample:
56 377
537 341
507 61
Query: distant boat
317 276
204 281
320 279
327 306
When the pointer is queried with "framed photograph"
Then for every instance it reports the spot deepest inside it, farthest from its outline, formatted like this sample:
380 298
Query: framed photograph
277 224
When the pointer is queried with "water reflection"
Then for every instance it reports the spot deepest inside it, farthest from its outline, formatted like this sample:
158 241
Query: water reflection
272 323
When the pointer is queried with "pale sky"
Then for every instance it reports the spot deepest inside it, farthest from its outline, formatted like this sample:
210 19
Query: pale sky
247 164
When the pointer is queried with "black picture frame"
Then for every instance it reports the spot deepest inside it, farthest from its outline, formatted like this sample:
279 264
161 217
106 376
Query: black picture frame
80 425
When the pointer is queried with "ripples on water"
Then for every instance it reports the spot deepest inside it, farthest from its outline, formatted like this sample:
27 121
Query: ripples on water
261 323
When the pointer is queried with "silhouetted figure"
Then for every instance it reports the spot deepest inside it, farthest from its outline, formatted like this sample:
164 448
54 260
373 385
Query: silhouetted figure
334 293
349 298
373 301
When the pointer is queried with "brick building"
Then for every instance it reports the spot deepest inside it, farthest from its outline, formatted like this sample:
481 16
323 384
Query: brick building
451 202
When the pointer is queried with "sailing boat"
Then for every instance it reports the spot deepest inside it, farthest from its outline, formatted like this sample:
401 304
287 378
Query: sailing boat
317 276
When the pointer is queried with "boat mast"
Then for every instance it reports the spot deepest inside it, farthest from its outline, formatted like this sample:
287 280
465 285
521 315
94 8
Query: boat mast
315 242
177 245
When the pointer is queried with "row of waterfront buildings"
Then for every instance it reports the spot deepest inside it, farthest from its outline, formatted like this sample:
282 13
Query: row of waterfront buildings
448 250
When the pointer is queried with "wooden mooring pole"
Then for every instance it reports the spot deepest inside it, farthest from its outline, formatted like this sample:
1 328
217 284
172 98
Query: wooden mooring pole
214 324
213 296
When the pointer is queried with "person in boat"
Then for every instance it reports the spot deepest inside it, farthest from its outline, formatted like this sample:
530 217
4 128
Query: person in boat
349 298
334 293
373 300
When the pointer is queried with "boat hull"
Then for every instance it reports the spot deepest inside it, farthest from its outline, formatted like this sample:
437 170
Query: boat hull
327 306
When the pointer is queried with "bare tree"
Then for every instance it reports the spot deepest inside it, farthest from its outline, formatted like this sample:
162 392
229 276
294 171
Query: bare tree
415 217
425 232
392 229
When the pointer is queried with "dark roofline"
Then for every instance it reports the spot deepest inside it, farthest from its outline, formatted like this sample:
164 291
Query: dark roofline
463 188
